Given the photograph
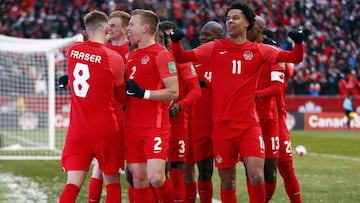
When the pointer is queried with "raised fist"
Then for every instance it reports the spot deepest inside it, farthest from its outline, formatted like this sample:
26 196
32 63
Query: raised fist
176 35
297 36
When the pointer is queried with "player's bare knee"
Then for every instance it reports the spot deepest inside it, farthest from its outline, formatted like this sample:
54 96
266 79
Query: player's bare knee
157 180
256 178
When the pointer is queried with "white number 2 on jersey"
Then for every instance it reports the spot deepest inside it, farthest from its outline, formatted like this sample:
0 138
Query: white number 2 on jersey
81 74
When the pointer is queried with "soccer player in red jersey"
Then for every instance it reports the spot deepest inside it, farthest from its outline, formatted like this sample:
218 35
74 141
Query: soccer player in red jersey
285 162
189 92
200 150
151 84
235 63
95 77
270 75
118 22
285 165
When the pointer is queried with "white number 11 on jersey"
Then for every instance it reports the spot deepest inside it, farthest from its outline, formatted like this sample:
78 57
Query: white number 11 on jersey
236 67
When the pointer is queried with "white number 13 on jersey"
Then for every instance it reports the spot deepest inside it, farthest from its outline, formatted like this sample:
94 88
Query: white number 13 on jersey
81 74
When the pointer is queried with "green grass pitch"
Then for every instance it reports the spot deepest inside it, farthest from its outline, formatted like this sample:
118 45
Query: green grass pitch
328 173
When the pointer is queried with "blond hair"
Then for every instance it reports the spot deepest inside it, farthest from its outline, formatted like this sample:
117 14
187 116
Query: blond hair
148 17
125 17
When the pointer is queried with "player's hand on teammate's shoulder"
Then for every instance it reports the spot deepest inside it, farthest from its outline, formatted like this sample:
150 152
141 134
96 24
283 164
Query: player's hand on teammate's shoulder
176 35
297 36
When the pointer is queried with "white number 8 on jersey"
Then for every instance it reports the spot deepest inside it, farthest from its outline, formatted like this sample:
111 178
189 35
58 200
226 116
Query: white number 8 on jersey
81 74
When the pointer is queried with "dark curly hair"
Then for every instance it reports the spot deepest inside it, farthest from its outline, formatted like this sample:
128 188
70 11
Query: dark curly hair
247 10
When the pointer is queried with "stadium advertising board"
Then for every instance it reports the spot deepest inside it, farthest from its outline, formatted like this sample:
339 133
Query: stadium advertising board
306 104
329 121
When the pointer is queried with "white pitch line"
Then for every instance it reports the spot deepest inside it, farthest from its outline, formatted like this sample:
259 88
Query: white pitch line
334 156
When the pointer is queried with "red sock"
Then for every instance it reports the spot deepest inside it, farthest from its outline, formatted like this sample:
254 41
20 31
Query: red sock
156 200
291 183
228 196
205 191
131 194
269 190
190 192
143 195
164 192
177 178
113 193
69 194
95 190
256 192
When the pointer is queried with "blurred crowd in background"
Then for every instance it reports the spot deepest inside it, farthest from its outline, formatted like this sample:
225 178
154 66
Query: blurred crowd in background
332 27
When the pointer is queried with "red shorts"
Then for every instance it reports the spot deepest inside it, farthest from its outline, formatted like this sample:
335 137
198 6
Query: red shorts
178 142
80 149
146 143
232 141
270 132
285 143
200 144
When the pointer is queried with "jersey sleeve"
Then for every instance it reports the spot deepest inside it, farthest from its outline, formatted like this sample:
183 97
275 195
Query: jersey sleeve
191 82
203 53
269 53
277 78
193 94
294 56
166 64
116 64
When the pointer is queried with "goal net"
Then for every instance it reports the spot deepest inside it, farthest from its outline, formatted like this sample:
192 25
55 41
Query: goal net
33 111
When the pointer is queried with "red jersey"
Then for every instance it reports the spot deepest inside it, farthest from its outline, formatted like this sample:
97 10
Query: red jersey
94 71
123 50
235 68
186 72
266 106
147 67
202 112
280 100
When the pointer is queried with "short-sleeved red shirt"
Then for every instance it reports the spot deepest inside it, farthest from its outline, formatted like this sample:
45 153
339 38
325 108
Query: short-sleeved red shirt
147 67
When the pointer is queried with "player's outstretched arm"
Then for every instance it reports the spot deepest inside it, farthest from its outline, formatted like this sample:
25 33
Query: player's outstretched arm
274 89
297 54
194 93
178 51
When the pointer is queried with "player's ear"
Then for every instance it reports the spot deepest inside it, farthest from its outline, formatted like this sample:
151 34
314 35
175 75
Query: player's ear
146 28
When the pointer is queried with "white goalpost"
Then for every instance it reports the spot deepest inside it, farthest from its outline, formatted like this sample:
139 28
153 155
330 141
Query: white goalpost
33 111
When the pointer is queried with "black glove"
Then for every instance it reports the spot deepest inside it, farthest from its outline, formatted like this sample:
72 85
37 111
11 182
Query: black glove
174 109
270 42
202 83
133 89
63 81
176 35
297 36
